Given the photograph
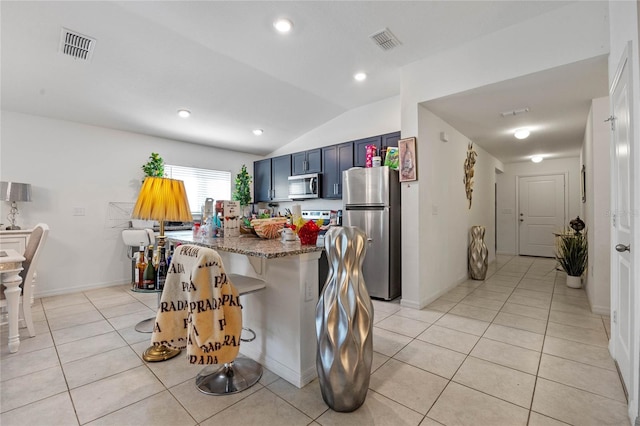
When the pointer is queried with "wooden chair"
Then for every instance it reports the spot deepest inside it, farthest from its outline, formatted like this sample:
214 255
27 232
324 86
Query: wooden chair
31 254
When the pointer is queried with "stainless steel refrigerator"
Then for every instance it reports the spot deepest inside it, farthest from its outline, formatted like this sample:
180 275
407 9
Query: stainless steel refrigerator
371 199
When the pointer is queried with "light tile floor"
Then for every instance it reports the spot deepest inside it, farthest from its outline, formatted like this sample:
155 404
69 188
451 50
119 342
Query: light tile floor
518 348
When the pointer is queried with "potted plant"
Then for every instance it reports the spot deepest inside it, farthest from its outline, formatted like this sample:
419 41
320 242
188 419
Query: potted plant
242 191
572 254
154 167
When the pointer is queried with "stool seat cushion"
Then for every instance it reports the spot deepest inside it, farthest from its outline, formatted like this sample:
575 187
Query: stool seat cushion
200 308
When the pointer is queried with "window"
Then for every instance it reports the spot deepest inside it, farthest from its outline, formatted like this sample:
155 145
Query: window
201 184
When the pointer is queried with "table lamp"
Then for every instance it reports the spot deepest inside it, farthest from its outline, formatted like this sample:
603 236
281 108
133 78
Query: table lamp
162 199
13 192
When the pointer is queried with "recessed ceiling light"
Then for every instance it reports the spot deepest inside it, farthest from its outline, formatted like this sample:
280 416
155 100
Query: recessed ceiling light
522 133
536 158
360 76
283 25
184 113
258 132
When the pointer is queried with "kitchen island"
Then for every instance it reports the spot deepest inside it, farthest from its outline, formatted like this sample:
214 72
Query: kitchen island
283 314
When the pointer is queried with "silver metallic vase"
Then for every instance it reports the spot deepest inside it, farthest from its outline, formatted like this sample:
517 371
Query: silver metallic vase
478 254
344 322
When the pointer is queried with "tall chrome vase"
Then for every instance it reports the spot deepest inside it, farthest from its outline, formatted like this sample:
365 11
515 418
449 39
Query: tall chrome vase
344 322
478 254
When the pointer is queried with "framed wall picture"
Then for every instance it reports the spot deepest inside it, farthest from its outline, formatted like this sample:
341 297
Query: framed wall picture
407 155
583 183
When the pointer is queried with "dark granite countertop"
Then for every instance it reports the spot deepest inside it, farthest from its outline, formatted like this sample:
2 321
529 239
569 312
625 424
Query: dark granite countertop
246 244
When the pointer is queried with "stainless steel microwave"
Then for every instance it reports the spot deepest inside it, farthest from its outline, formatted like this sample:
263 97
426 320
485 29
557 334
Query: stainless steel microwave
304 186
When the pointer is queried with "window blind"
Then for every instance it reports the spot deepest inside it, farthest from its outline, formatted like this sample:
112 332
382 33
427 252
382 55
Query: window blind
201 184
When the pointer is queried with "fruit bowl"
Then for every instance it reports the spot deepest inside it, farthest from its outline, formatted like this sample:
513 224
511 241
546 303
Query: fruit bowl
268 228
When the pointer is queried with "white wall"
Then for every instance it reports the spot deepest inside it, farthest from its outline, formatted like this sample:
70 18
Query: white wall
595 210
508 197
73 165
377 118
444 218
373 119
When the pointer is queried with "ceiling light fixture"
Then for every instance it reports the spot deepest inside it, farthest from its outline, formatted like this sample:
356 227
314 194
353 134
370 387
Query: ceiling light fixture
360 76
184 113
521 133
536 158
283 25
258 132
515 112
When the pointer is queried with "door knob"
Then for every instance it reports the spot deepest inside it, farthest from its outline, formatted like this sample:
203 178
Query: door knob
622 248
521 220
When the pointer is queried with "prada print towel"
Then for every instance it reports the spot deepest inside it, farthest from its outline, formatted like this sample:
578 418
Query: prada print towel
199 308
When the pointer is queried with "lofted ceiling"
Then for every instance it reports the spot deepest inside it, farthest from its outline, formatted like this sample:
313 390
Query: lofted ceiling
223 61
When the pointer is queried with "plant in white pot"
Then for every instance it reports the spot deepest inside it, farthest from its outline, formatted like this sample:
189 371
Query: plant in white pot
572 255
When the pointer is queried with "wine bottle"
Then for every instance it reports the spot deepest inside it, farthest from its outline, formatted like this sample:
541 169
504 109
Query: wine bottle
162 270
141 265
149 276
170 254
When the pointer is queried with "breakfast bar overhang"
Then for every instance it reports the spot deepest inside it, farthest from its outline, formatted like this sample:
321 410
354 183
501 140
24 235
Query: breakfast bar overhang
283 314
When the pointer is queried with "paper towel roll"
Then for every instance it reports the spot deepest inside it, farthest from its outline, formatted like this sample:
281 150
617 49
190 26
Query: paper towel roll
296 212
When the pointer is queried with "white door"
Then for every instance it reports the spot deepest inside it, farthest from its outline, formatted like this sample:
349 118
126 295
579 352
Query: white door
623 286
541 213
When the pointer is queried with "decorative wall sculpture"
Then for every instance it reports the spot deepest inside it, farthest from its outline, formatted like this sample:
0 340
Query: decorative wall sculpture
469 162
344 323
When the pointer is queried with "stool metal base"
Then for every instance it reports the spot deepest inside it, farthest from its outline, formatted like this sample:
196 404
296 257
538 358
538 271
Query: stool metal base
146 326
229 378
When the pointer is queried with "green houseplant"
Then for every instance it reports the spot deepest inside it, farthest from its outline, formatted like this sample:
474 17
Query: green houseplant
154 167
242 191
572 255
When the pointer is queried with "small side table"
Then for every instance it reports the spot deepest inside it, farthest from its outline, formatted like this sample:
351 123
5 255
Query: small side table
10 267
146 326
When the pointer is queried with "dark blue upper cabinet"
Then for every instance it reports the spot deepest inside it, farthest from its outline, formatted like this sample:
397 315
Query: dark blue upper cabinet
271 179
262 180
390 139
335 160
360 149
306 162
280 172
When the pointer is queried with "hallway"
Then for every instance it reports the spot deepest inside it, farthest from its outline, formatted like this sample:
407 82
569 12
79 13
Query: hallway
518 348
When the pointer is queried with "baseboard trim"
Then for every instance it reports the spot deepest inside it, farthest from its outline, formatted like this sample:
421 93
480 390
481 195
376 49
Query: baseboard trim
67 290
601 310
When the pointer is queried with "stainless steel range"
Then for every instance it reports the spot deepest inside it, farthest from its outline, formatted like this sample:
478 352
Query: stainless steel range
323 264
325 215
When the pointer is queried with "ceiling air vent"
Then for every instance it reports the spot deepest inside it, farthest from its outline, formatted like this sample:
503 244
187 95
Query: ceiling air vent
385 39
76 45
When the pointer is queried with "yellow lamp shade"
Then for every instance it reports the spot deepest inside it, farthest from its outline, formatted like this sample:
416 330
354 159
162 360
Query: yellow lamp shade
162 199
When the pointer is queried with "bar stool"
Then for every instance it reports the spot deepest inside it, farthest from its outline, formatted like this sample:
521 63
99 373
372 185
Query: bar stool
242 372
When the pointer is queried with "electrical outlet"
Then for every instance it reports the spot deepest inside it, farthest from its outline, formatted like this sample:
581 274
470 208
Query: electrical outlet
78 211
308 291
